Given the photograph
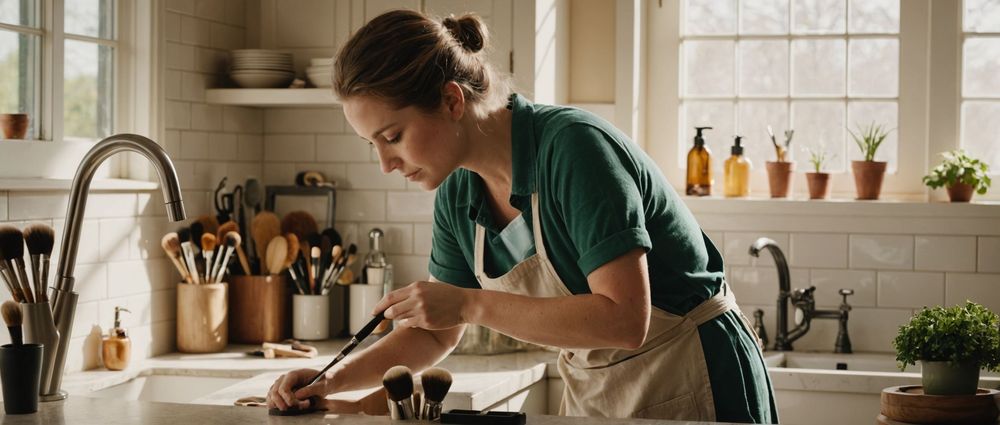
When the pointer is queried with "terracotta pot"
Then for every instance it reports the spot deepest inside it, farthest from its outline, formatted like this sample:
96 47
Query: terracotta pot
779 178
15 126
819 185
868 178
960 192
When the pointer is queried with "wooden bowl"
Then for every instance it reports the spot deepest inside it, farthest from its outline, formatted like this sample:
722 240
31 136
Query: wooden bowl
909 404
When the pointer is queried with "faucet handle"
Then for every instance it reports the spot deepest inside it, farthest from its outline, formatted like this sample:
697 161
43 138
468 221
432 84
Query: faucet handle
845 292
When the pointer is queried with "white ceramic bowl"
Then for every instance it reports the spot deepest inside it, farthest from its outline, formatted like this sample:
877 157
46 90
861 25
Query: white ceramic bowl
321 61
262 79
321 79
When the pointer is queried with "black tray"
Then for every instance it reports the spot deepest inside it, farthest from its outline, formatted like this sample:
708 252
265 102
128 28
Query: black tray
475 417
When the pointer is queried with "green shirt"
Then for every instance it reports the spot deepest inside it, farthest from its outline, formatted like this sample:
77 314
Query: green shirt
600 196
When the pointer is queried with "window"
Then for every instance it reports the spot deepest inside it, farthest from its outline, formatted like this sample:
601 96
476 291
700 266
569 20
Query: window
66 82
819 67
980 128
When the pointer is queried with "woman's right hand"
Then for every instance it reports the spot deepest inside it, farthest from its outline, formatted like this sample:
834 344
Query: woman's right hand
286 391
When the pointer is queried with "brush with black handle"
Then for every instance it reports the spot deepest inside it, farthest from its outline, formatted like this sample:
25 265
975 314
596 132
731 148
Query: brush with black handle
40 239
314 402
12 249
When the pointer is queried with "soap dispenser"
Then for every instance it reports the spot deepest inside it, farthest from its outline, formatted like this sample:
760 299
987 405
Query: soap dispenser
116 347
699 167
737 172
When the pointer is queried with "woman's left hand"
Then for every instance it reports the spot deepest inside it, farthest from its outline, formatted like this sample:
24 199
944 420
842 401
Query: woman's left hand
426 305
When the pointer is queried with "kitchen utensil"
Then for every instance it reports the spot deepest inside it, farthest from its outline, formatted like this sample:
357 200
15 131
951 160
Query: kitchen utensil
277 251
266 226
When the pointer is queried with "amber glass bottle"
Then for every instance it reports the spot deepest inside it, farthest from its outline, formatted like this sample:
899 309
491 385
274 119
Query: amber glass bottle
737 174
699 167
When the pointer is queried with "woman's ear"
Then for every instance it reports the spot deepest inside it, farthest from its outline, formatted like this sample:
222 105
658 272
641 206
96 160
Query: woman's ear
453 100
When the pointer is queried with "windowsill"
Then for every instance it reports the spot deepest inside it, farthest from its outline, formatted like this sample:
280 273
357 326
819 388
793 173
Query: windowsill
63 185
841 207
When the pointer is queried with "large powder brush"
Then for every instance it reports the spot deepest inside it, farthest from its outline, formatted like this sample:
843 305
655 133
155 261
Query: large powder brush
12 251
398 383
40 239
436 382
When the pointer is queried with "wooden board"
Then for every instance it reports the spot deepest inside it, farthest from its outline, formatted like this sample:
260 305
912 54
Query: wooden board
909 404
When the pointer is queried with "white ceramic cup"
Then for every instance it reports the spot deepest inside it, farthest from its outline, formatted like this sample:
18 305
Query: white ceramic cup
310 317
363 299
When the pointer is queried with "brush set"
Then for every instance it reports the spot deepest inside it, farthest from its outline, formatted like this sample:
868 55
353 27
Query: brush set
39 239
405 404
202 252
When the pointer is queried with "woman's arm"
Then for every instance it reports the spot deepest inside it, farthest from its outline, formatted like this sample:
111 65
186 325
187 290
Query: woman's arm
614 315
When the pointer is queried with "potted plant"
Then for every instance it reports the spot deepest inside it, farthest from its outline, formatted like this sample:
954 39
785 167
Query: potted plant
779 173
868 174
952 344
961 175
819 181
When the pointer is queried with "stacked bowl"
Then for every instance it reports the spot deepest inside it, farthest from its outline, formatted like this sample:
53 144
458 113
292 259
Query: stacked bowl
320 72
259 68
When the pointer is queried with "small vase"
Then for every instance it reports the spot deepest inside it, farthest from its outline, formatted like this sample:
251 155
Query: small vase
960 192
949 378
819 185
868 177
779 178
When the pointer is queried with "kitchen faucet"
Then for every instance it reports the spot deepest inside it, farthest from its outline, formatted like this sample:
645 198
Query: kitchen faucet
64 299
804 302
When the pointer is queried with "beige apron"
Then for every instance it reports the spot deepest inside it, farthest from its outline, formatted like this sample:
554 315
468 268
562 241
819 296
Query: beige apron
665 378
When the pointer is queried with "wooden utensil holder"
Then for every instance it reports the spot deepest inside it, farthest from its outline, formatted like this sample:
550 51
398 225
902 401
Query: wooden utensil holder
259 309
202 317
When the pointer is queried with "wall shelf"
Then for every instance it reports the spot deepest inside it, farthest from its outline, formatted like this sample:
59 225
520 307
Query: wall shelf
63 185
314 97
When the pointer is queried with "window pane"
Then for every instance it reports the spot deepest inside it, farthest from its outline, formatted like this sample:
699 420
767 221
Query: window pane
754 118
709 68
817 124
715 114
874 67
764 17
87 90
982 15
19 66
764 68
19 12
862 114
710 17
874 16
818 67
981 70
90 17
980 130
818 16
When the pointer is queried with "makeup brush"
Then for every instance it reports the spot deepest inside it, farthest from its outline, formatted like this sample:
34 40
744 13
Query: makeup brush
301 223
306 245
436 382
12 250
346 260
210 224
323 262
232 242
184 235
12 317
291 254
231 226
196 231
208 243
11 282
350 346
277 250
266 226
398 383
314 272
335 253
171 244
40 238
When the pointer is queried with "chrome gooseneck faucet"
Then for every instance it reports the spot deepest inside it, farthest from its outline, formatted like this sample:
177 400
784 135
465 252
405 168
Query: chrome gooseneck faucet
64 299
781 341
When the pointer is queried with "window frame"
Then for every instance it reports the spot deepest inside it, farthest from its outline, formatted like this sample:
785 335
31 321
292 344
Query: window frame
962 98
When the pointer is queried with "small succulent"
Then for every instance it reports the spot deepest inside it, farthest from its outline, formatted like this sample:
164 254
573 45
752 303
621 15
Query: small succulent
959 167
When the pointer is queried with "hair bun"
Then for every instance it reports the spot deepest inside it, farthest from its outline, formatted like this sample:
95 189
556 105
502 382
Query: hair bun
468 30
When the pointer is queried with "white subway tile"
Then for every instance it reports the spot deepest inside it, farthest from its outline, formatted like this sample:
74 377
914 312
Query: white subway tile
242 120
250 147
981 288
163 338
164 305
989 254
194 145
881 252
140 310
235 12
945 253
3 206
397 237
207 175
85 318
111 205
191 87
289 147
137 277
91 281
351 234
116 238
88 245
737 247
182 6
422 239
227 37
280 174
214 62
185 175
180 56
195 31
342 148
753 285
818 250
34 206
822 335
172 26
172 143
870 329
206 117
196 201
151 204
178 115
222 147
910 289
829 282
370 176
290 120
361 205
172 85
410 206
145 243
407 269
239 172
210 9
314 205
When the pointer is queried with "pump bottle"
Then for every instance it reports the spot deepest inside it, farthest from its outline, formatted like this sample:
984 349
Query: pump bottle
116 347
699 167
737 169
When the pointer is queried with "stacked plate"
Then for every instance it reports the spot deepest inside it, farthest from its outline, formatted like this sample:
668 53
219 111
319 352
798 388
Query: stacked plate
259 68
320 72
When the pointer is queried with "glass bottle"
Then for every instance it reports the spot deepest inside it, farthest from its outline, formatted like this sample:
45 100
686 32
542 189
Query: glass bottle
737 173
699 167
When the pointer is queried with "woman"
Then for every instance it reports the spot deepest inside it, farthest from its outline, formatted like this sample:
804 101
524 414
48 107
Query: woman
549 226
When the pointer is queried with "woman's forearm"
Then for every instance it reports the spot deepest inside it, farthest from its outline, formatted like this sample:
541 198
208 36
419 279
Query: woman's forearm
417 349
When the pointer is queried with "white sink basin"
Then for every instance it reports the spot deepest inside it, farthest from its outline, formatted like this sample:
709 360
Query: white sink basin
165 388
863 362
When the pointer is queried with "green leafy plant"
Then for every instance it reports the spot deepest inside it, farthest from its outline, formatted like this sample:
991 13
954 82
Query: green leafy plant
869 138
779 150
958 167
955 334
818 157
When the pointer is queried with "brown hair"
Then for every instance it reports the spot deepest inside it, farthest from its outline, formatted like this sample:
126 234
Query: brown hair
406 58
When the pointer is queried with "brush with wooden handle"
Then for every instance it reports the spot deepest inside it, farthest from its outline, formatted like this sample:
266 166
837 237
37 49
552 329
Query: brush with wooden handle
40 238
12 251
12 317
265 226
171 244
232 242
231 226
277 250
208 243
187 248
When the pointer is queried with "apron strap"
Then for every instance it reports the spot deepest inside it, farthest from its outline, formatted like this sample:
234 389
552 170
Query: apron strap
480 242
536 228
478 251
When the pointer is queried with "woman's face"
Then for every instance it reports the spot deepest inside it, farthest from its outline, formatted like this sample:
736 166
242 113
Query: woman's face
424 147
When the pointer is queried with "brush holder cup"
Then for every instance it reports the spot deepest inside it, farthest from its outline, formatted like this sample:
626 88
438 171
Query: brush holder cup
21 373
310 317
39 328
363 299
260 309
202 317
